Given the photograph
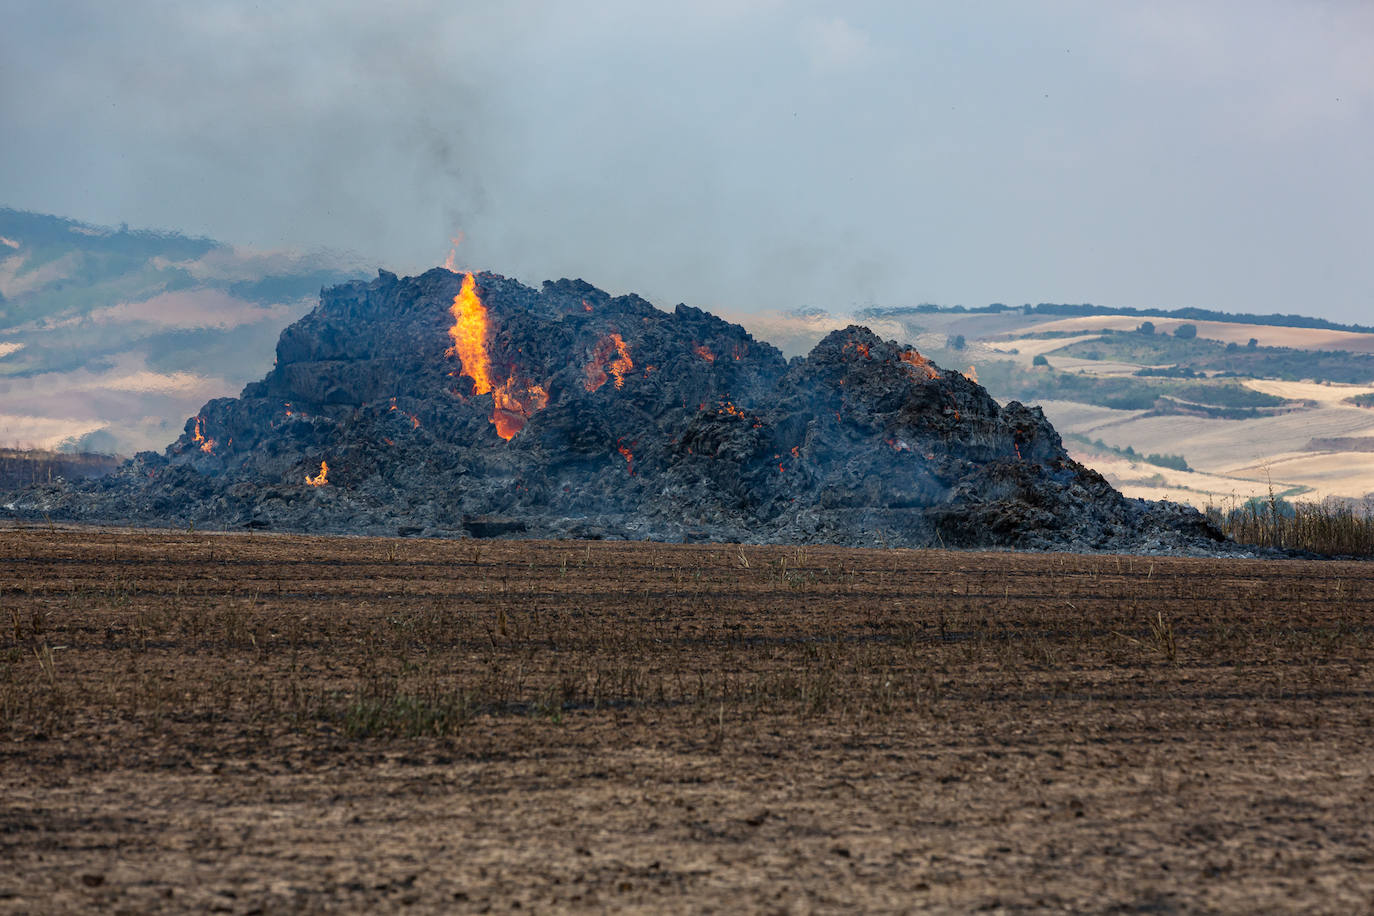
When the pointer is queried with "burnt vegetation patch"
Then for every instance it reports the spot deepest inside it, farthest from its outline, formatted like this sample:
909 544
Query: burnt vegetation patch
470 405
415 638
572 724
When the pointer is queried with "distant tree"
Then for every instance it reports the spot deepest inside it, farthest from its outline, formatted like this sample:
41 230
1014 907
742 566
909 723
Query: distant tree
1168 461
1232 347
1185 331
1252 344
1040 360
956 342
1146 327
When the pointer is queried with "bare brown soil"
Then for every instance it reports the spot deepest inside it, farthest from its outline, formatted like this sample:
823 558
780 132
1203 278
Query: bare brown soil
262 723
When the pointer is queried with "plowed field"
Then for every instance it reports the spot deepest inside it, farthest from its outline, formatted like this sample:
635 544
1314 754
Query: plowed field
262 723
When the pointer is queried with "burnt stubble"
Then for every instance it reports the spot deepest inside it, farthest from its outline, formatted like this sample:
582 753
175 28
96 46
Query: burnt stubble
269 722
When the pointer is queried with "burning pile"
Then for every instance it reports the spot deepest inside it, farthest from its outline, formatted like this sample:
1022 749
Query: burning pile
470 404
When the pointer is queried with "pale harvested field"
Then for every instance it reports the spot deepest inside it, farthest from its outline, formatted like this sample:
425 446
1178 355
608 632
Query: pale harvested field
1224 331
1029 348
1141 480
1234 457
1326 473
196 722
1330 394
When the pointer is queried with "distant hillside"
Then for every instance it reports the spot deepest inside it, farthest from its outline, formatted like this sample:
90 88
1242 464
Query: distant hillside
1086 309
109 337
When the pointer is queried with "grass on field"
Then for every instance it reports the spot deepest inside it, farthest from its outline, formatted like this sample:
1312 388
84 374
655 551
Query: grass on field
1329 529
372 639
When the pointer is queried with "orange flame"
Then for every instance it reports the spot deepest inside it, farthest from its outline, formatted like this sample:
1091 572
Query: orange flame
704 352
515 400
469 333
514 403
860 348
628 455
206 445
919 364
321 478
971 374
612 344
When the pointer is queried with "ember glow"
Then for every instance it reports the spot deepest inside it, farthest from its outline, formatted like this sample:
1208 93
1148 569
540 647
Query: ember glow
514 403
613 355
206 445
919 364
628 455
728 408
321 478
704 352
469 333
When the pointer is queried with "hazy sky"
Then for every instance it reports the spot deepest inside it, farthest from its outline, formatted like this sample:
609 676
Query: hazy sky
731 153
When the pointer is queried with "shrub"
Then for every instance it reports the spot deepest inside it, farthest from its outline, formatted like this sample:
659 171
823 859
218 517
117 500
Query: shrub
1361 400
1185 331
1146 327
1175 462
1040 360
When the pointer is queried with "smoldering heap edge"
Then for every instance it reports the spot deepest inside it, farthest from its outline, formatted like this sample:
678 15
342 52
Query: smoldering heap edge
637 423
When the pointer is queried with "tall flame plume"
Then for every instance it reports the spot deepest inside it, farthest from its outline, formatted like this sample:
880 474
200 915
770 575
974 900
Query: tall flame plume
469 333
515 400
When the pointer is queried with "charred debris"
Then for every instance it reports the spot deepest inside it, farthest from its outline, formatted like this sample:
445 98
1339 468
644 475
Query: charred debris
471 405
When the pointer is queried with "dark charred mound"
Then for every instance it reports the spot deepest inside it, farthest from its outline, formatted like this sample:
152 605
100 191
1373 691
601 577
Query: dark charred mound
636 423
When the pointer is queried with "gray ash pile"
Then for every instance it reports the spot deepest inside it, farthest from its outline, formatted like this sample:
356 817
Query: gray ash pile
454 405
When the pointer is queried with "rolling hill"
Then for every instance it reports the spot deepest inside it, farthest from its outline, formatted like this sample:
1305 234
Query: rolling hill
109 338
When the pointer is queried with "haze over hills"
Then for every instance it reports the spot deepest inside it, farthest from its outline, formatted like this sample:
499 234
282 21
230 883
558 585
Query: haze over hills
109 338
